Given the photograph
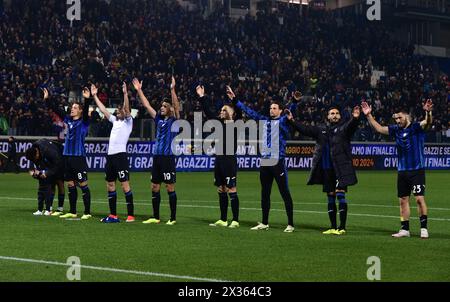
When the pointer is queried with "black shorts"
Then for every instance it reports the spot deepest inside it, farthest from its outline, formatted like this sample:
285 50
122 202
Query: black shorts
164 169
75 168
330 183
117 167
225 171
408 181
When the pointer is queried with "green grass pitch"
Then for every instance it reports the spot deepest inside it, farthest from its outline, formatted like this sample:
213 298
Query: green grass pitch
191 249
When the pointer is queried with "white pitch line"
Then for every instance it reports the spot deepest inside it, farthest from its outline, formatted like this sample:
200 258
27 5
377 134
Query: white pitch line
313 212
114 270
258 201
324 203
249 209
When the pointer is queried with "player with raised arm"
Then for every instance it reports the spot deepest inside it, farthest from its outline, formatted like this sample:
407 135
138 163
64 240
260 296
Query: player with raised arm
117 165
225 167
332 162
279 171
410 139
75 167
164 167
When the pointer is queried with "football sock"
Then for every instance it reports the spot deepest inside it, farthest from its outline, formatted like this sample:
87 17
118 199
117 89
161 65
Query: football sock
223 202
405 225
332 210
173 205
73 195
156 201
112 200
130 204
342 209
86 199
423 221
234 205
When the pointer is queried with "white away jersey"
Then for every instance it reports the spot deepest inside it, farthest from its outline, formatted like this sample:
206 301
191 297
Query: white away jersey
120 133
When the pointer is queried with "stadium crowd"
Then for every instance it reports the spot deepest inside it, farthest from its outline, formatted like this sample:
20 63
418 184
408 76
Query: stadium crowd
330 57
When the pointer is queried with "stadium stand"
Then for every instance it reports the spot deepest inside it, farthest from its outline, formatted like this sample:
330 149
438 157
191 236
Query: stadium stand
330 56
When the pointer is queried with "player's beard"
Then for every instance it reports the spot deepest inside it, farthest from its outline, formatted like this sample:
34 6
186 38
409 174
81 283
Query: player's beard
334 122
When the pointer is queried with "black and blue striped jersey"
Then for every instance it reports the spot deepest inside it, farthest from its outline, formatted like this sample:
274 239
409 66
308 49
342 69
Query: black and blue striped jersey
164 135
410 143
269 132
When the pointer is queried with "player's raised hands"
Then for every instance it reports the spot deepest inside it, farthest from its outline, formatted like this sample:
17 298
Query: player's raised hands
173 83
230 93
428 121
356 112
428 105
86 93
366 109
94 90
124 88
200 90
137 85
297 95
46 94
288 114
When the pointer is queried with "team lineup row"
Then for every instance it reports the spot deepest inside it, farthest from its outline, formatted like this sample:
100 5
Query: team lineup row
332 162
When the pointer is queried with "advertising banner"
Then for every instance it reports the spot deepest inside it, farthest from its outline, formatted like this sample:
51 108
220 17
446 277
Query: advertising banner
366 156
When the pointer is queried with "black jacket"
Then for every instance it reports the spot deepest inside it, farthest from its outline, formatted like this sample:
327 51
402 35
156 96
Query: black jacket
12 150
209 110
339 137
51 157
